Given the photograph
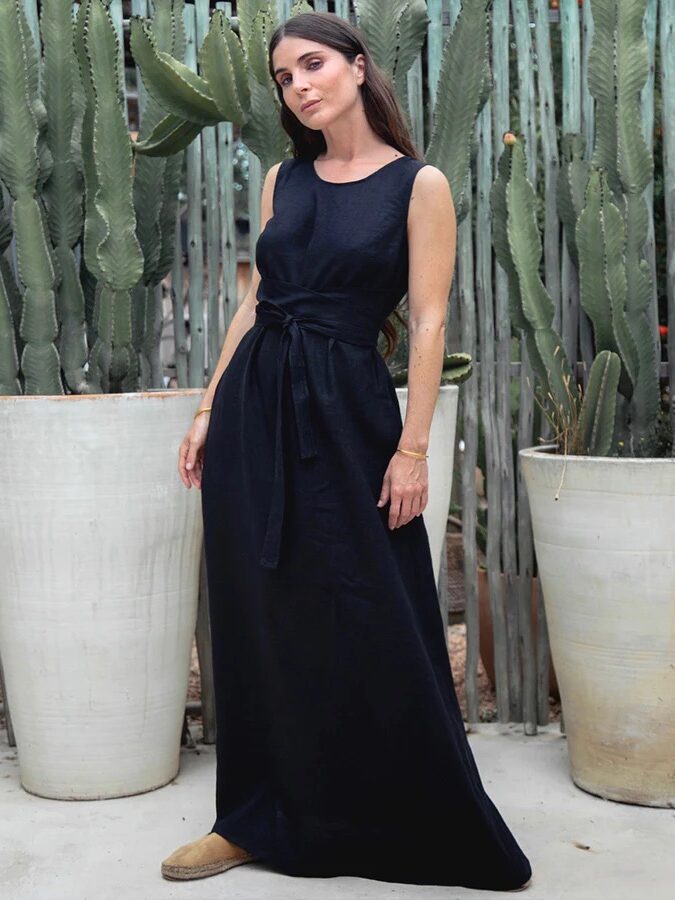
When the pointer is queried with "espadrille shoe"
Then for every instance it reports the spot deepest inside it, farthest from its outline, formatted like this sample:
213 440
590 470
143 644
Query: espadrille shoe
522 887
208 855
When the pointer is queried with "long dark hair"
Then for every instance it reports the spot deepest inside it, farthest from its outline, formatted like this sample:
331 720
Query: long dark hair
380 103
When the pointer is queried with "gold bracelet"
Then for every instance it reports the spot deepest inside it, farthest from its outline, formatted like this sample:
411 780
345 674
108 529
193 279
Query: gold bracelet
413 453
206 409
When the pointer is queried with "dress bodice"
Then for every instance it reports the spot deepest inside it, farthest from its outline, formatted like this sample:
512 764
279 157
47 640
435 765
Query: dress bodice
347 238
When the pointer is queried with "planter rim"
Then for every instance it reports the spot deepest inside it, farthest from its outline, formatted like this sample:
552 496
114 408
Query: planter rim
547 452
159 392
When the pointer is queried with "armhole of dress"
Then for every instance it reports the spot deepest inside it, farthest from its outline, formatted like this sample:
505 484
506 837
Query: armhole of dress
280 173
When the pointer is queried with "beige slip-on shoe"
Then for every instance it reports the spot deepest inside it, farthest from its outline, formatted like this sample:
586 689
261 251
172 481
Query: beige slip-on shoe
208 855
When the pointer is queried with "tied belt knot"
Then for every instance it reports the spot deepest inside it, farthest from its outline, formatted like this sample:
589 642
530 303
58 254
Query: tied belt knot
292 357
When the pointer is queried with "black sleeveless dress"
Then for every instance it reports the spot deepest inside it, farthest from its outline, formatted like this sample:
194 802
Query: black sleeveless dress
341 747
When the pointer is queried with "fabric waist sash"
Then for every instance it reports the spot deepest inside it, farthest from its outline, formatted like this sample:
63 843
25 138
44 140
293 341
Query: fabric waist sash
292 308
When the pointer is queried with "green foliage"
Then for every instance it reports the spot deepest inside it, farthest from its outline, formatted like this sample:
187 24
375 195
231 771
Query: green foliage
67 165
457 367
234 84
602 206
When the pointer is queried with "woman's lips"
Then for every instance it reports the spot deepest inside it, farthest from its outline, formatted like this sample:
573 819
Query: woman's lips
311 105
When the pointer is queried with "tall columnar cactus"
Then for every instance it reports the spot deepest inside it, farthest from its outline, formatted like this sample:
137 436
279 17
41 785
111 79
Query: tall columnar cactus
63 190
94 328
111 249
601 204
25 163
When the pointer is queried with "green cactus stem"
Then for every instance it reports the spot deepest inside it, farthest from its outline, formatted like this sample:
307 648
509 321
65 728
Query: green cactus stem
25 162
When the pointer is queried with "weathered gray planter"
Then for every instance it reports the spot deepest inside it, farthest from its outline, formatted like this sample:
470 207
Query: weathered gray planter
606 556
100 544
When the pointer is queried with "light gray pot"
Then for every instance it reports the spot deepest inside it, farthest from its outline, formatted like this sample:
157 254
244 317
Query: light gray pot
100 545
604 531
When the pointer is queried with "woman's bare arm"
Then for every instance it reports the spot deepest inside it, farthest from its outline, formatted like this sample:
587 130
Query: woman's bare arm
431 242
432 233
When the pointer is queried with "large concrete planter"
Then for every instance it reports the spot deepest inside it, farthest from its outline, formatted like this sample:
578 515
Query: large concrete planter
440 464
100 545
606 556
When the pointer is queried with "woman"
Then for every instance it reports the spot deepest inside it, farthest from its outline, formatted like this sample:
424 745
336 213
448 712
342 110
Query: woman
341 747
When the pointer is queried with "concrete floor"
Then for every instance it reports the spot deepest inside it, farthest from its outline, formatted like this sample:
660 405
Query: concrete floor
580 847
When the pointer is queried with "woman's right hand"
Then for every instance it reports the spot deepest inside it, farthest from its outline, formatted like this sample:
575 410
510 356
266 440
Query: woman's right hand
191 452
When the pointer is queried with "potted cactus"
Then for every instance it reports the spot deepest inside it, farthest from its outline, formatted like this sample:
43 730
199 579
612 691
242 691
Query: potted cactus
234 85
602 494
101 544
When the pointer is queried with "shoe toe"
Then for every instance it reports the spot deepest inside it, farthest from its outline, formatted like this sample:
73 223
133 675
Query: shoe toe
183 855
201 853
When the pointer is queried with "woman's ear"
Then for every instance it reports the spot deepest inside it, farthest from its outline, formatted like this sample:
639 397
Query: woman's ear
360 60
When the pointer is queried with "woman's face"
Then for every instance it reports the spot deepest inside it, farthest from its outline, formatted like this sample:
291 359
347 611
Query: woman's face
308 71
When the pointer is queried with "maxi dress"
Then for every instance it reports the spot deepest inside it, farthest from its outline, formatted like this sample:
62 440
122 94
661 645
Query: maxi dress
341 748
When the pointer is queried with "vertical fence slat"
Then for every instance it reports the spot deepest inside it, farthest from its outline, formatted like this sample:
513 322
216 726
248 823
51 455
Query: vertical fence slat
571 122
647 110
180 340
195 239
117 16
502 123
487 405
588 130
210 178
140 8
342 9
526 90
228 232
667 48
464 284
469 411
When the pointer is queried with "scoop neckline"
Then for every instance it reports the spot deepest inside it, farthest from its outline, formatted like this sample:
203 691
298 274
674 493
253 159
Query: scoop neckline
356 180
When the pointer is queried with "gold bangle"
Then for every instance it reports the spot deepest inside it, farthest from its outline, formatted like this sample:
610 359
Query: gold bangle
205 409
413 453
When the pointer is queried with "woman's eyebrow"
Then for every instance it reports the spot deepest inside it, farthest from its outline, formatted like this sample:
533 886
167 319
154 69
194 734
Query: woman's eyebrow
303 56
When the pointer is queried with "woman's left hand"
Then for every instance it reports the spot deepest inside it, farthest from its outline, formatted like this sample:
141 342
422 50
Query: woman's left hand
406 486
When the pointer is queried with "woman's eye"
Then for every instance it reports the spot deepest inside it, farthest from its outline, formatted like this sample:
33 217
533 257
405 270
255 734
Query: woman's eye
284 80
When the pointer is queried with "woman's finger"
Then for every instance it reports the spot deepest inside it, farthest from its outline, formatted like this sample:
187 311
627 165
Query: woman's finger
182 457
394 508
384 492
405 509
